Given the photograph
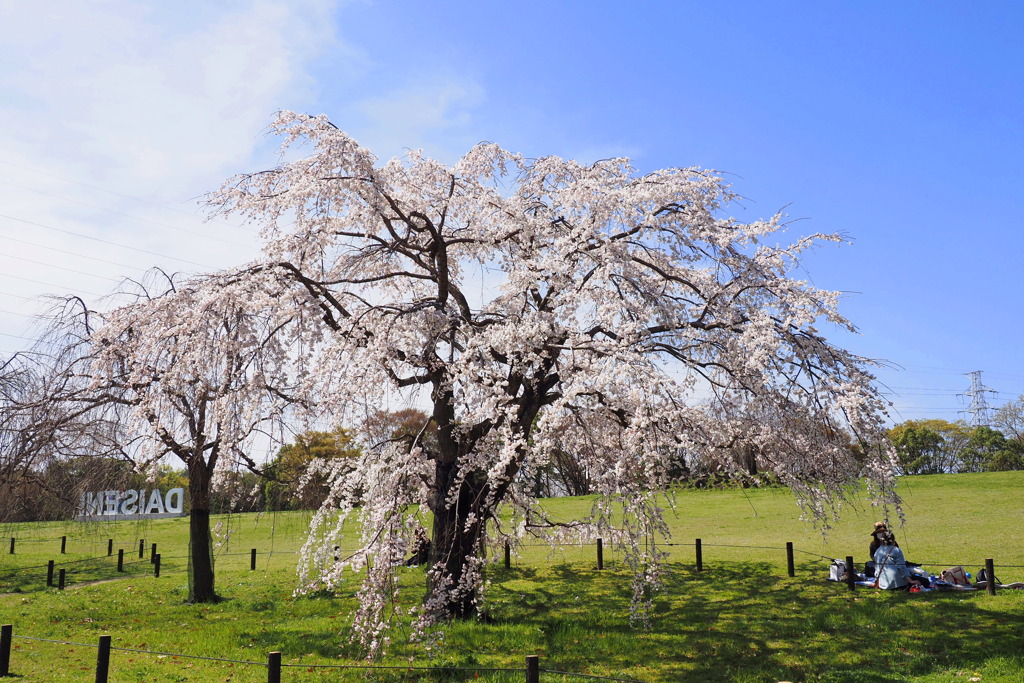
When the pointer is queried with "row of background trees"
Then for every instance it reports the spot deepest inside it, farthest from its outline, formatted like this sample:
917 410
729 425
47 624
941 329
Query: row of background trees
46 488
937 446
296 479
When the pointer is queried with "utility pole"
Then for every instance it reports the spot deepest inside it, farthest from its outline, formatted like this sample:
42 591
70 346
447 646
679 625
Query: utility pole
978 407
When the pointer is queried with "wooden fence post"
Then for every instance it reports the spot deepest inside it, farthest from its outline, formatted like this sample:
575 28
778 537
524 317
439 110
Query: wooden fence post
63 544
156 566
152 554
990 574
103 660
60 580
851 578
12 545
532 669
274 667
142 548
700 555
252 560
110 547
600 553
508 556
5 649
789 559
49 574
120 559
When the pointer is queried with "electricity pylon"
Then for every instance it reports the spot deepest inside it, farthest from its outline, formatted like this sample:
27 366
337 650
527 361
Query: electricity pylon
978 408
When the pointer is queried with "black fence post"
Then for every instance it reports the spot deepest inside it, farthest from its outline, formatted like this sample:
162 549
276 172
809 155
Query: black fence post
60 580
110 547
252 560
789 559
156 566
274 667
700 555
851 578
532 669
120 559
600 553
152 554
103 660
990 569
63 544
12 545
142 548
49 574
508 555
5 649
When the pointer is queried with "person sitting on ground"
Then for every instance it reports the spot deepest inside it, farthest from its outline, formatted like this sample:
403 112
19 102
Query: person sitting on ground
879 537
890 566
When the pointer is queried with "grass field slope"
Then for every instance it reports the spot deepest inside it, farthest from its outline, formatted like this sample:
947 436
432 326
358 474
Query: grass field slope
740 619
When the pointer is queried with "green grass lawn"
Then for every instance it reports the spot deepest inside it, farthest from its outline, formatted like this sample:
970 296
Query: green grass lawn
742 619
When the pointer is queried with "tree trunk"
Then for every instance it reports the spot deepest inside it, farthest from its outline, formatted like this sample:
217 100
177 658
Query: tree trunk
455 543
200 546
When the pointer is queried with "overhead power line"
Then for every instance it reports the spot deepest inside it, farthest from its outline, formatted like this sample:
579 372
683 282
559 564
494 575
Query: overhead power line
65 251
98 239
50 284
186 231
70 270
100 189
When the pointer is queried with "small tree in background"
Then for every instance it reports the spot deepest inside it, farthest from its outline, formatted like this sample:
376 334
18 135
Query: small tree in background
181 375
51 449
1009 419
987 450
919 448
297 477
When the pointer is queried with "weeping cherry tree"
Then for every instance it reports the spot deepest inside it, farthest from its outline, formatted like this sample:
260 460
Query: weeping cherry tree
195 376
538 306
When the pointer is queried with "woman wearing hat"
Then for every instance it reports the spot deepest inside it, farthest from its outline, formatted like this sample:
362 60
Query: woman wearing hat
879 537
890 566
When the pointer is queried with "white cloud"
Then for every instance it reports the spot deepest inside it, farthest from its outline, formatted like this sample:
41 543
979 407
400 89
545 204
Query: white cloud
433 113
110 101
149 93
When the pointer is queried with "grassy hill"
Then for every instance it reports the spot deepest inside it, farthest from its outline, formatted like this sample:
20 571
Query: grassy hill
742 619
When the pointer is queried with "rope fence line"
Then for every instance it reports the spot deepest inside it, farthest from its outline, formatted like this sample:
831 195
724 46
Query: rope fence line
826 558
56 564
181 656
698 545
271 553
274 665
397 667
600 678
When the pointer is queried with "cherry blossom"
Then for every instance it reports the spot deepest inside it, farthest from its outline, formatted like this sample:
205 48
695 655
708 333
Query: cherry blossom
534 307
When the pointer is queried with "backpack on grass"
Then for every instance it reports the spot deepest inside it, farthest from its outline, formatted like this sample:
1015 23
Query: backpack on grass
983 576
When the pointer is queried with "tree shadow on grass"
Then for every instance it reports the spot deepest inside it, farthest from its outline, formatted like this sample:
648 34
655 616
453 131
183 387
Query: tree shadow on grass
732 622
743 621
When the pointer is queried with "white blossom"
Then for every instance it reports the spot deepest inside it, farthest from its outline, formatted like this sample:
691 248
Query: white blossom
542 305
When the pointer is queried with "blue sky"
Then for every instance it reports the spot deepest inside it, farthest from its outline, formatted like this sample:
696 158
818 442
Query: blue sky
896 124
